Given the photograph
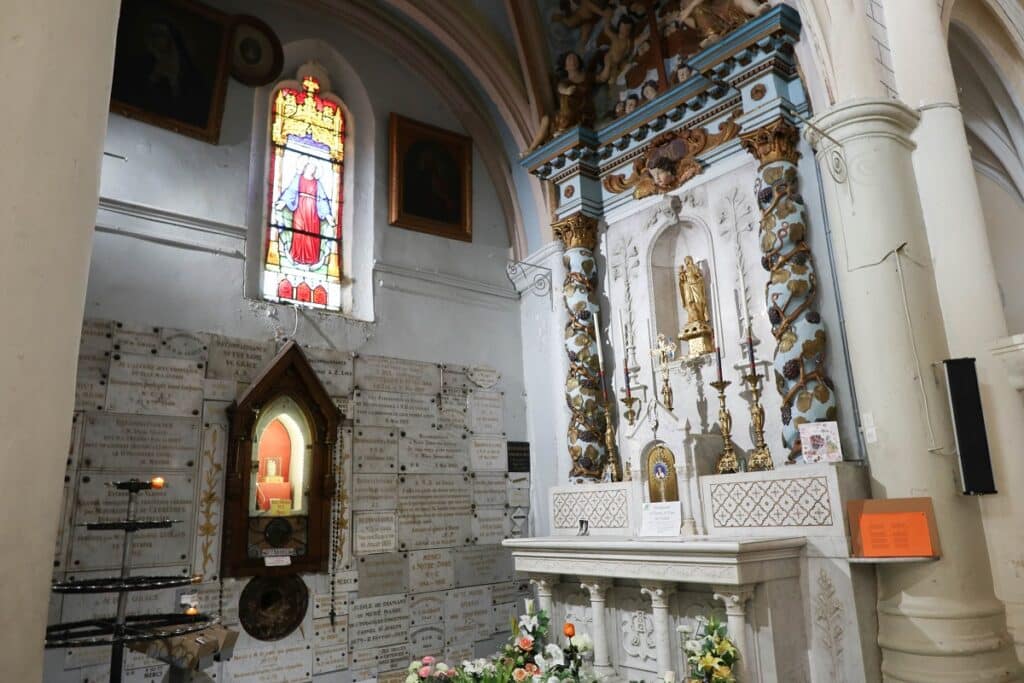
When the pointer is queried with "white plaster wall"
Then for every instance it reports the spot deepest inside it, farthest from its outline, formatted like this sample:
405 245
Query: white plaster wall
1004 216
185 203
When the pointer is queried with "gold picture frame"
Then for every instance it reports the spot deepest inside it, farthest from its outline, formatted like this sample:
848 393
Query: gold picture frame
430 186
171 66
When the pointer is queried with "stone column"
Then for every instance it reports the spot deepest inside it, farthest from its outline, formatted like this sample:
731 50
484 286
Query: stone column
58 60
735 599
582 383
598 590
545 585
962 257
689 525
660 594
938 621
800 340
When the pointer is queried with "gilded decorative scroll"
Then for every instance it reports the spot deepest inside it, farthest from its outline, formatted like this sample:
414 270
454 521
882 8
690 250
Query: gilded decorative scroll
582 383
670 160
797 326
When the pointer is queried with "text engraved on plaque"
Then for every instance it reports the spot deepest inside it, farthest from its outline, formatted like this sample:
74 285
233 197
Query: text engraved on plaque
378 621
334 368
486 412
383 574
433 511
330 645
375 491
375 449
482 564
412 412
490 525
441 452
487 453
427 608
489 488
154 385
375 532
288 660
426 639
431 570
101 503
117 441
468 613
238 359
379 373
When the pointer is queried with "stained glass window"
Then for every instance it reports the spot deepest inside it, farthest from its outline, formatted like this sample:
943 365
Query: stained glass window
302 262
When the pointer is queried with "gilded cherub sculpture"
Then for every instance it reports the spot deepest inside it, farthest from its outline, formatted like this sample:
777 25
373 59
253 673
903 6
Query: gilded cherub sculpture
697 330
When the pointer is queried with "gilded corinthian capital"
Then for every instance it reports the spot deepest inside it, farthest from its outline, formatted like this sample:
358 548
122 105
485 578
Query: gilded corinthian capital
578 231
775 141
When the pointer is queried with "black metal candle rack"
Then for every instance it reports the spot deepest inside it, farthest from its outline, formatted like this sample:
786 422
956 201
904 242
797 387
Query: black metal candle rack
121 629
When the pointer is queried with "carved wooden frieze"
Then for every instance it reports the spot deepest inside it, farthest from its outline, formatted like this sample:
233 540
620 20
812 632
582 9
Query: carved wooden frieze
670 160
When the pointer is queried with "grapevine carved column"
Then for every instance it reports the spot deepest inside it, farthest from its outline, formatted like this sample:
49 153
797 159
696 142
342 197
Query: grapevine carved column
659 593
598 590
582 383
800 338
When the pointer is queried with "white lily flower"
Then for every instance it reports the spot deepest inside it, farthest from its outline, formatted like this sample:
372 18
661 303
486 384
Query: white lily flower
555 656
582 642
528 623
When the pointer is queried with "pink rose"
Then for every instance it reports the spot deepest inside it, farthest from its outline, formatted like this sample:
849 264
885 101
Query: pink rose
525 643
428 660
424 672
520 675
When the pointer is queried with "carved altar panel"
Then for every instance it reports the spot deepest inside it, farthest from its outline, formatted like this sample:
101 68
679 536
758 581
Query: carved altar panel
636 644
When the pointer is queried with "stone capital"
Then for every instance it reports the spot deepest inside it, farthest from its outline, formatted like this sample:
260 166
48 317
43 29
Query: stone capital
545 583
597 587
775 141
659 593
735 598
578 231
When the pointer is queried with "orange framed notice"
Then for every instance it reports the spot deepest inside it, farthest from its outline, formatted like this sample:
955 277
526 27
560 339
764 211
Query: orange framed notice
893 527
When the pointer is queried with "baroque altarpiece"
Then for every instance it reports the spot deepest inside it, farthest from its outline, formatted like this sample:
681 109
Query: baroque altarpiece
701 331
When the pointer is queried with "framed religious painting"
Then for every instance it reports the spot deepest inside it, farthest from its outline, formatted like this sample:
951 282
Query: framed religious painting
171 66
431 180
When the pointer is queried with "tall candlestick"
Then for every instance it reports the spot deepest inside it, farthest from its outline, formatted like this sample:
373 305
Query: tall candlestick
750 351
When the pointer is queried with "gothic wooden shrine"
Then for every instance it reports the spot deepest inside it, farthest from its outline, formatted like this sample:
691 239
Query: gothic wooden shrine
280 474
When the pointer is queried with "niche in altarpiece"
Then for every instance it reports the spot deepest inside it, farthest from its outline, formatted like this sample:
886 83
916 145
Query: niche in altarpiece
662 486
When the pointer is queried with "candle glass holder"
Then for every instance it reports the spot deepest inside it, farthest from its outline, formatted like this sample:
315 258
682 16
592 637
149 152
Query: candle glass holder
760 459
727 463
631 409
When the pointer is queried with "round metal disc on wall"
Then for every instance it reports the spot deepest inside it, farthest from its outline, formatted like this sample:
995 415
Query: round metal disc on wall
271 607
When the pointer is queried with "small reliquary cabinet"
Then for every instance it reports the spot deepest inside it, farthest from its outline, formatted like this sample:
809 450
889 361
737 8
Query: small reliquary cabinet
280 478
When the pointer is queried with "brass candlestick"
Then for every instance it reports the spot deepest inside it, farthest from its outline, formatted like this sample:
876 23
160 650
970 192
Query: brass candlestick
665 353
728 463
630 413
761 457
609 443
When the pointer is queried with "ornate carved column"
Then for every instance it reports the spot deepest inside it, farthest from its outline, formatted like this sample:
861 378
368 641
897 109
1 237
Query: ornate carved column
659 594
598 589
800 339
735 599
689 527
582 383
545 585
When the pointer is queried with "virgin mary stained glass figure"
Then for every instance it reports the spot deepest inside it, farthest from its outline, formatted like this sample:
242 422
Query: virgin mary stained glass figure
303 251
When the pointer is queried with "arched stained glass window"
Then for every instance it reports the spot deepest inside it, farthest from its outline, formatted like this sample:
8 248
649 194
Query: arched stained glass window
302 262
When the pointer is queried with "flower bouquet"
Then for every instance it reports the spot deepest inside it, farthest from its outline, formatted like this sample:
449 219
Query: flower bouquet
527 657
711 655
